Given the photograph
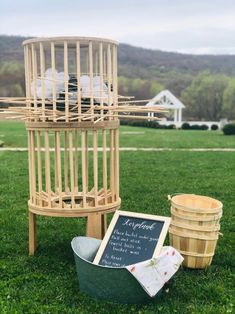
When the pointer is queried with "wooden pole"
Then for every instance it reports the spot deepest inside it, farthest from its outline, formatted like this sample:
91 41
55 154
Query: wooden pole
109 69
53 67
105 186
66 175
33 166
91 77
42 70
76 174
95 165
71 162
58 178
84 181
66 81
39 162
48 166
27 75
101 76
34 72
116 162
112 174
78 66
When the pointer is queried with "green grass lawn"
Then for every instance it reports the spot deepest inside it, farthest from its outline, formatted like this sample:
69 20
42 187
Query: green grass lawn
14 135
47 282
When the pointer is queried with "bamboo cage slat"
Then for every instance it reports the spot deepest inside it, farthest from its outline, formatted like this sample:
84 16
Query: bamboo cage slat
95 165
34 74
111 154
39 161
42 72
83 168
66 174
53 67
27 78
71 162
76 165
105 186
58 164
48 166
30 167
116 162
66 81
101 75
90 64
86 160
109 71
32 143
78 76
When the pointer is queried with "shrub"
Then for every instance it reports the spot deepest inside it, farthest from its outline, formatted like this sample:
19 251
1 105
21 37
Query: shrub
185 126
204 127
229 129
147 124
195 127
214 127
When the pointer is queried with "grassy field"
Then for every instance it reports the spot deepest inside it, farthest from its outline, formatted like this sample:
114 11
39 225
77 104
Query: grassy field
14 135
47 282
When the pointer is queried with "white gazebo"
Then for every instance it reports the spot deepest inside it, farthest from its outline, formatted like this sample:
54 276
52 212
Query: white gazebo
166 100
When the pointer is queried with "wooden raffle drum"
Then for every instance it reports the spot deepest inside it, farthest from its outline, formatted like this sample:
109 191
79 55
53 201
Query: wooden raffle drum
73 164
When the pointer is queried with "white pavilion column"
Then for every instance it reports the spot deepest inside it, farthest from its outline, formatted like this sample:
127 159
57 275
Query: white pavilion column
180 115
175 115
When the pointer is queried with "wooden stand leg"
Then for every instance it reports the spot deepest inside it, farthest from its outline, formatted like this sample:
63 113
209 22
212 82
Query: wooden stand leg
94 226
32 233
104 224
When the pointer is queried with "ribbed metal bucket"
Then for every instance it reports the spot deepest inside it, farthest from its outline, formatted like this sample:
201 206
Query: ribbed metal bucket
109 283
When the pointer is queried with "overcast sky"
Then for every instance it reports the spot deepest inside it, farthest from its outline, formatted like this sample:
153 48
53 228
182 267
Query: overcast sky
192 26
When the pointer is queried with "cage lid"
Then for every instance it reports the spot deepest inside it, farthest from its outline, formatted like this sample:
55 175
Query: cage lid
84 41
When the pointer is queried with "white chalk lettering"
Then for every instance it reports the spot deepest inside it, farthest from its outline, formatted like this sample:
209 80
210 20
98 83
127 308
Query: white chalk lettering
134 252
119 249
132 234
143 225
116 258
153 239
129 246
117 232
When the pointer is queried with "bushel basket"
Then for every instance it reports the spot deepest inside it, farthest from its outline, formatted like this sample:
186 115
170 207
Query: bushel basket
194 229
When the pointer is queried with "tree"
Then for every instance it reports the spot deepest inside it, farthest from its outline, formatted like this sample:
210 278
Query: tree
204 97
229 100
12 79
140 89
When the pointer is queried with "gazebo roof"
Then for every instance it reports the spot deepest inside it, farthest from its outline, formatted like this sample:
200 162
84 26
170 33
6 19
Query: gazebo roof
165 99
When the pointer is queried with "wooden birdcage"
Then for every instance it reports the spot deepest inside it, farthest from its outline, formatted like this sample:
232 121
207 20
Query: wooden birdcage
72 110
73 164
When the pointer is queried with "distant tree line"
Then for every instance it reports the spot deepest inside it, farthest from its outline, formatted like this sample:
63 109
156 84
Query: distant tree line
209 96
12 79
205 84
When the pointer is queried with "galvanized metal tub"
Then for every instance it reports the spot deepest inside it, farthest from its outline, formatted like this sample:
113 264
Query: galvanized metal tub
109 283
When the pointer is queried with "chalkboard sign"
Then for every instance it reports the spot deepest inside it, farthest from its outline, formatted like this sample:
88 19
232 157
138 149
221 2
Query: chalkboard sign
132 238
